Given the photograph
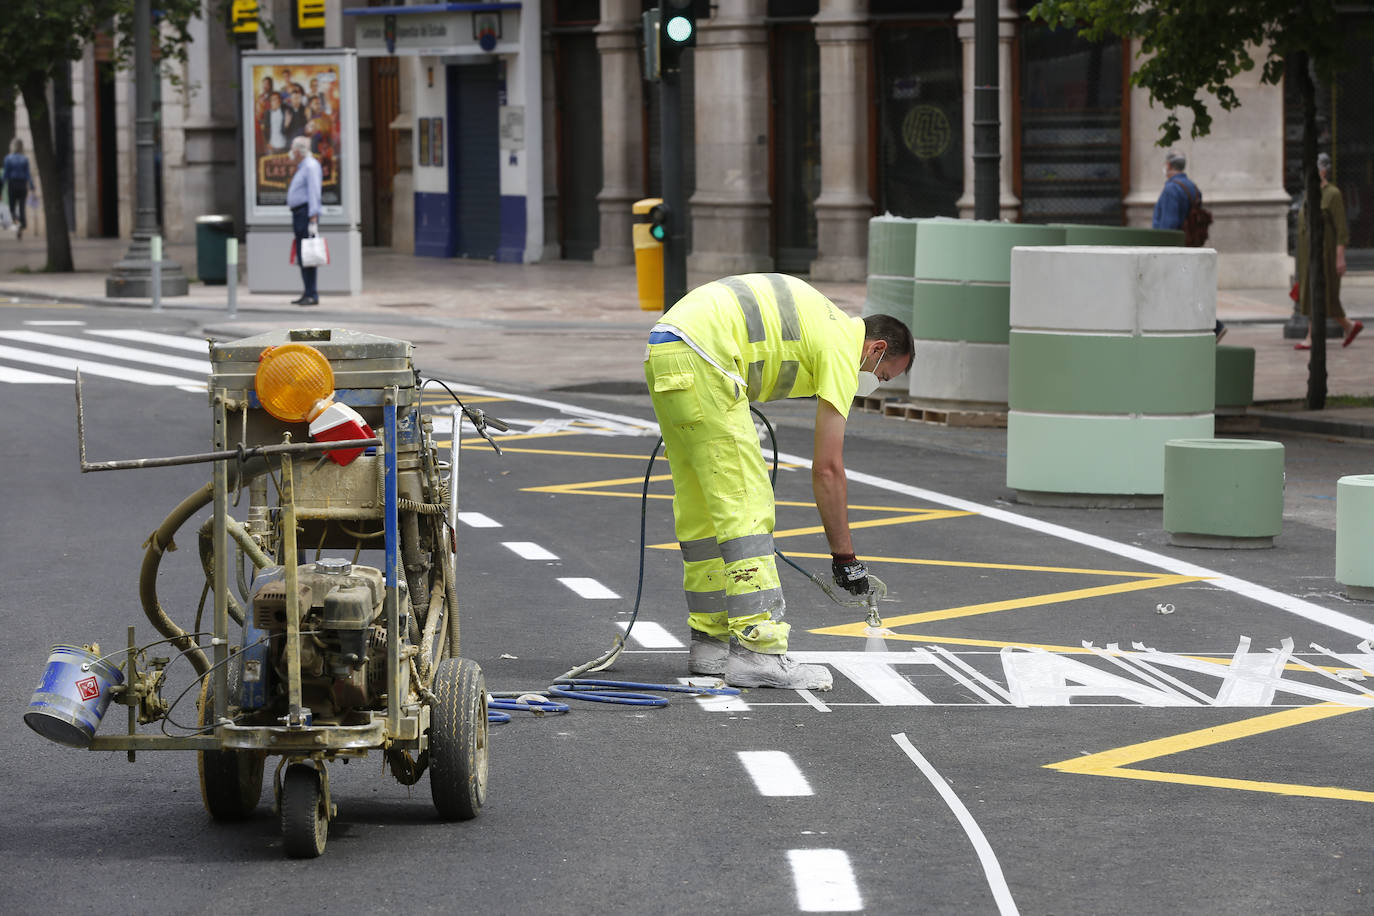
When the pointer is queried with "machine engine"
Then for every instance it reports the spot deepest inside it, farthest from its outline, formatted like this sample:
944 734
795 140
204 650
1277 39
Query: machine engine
343 638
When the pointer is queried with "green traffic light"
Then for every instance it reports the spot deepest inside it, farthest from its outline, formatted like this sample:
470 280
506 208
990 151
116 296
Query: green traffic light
679 29
658 232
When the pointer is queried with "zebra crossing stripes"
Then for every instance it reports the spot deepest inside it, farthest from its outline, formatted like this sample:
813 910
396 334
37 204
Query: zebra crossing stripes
138 376
25 377
111 351
23 353
189 344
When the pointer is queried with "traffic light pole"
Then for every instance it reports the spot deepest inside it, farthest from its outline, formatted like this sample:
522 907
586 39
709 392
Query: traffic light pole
670 136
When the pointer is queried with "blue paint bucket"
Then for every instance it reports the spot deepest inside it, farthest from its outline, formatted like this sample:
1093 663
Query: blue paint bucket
72 697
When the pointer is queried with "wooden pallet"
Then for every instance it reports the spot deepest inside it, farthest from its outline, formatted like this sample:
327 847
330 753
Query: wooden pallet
944 417
871 404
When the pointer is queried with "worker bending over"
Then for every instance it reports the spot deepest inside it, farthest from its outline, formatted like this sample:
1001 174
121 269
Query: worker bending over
757 337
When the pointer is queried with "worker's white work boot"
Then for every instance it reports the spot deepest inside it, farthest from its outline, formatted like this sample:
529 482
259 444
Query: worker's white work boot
755 669
707 654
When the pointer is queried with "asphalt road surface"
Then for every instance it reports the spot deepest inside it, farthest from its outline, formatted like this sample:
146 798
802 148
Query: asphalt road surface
1062 715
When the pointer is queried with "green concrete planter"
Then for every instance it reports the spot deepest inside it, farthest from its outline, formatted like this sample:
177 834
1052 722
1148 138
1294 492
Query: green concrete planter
962 251
891 263
1355 535
1100 374
1223 492
1235 388
1111 354
892 246
1075 234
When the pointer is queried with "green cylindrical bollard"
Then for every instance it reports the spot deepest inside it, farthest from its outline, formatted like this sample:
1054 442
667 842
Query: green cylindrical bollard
1223 492
1112 355
960 312
1355 534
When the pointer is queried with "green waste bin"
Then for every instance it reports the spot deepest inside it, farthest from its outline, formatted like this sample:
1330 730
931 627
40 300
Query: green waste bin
211 234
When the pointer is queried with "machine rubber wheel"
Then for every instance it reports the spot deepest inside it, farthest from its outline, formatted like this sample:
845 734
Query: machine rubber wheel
230 781
458 740
304 820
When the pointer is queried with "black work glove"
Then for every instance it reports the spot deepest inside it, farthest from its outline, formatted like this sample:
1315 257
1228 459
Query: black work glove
849 573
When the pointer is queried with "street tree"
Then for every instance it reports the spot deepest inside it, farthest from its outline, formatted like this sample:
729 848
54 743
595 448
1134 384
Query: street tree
37 37
1190 50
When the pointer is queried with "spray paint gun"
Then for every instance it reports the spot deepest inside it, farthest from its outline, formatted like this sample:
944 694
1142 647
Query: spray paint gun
877 591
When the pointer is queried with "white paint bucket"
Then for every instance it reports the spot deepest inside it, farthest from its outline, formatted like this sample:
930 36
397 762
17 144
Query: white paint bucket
72 697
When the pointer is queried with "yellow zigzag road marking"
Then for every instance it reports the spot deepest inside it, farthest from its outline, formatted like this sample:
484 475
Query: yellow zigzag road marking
1153 580
1117 762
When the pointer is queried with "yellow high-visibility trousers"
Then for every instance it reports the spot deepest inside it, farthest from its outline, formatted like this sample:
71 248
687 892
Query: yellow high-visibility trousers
722 500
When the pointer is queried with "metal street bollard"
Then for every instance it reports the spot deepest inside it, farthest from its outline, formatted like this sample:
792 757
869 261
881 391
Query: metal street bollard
231 261
155 254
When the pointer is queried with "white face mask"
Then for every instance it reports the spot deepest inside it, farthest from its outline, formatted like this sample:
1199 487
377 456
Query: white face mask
868 381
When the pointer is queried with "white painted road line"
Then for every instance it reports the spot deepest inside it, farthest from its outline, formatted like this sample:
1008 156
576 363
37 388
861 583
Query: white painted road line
996 882
589 588
714 702
651 635
137 376
775 773
54 324
25 377
175 342
477 520
1337 620
109 351
825 881
528 550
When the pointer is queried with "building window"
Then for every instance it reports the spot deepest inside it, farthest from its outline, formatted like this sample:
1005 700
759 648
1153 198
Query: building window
920 102
1071 138
796 171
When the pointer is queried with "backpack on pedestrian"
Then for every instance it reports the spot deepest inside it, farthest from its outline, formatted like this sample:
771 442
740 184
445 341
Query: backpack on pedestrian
1199 218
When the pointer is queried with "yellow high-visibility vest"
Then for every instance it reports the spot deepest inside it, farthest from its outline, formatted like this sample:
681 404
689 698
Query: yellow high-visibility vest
776 334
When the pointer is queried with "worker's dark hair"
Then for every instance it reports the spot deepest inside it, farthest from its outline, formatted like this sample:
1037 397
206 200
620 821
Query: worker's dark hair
892 331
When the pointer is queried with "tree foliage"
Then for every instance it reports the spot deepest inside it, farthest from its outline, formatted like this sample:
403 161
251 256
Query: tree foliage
1191 48
37 37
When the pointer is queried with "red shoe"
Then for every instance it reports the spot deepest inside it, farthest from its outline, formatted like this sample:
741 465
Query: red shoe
1302 346
1350 335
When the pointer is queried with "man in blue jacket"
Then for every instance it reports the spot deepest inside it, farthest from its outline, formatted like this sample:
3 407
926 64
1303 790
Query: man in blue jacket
16 179
1178 195
1175 200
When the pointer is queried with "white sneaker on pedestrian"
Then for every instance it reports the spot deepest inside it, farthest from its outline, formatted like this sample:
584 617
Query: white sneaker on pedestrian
755 669
707 654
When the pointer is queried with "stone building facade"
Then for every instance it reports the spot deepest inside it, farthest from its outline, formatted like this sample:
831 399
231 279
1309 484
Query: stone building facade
804 119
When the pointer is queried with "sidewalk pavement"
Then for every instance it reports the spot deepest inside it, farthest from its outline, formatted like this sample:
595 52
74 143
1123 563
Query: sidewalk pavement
481 320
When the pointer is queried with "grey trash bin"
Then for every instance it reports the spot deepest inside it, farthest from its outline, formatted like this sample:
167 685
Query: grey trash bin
211 234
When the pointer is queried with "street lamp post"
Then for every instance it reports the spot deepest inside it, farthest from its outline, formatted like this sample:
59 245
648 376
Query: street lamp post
133 276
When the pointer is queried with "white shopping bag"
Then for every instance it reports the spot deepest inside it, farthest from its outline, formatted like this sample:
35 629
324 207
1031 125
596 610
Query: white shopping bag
314 250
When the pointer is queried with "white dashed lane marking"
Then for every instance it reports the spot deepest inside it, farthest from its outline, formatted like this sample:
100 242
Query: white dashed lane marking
825 881
651 635
477 520
775 773
528 550
588 588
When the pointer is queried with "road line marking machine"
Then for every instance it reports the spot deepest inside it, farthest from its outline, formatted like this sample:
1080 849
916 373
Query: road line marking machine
313 661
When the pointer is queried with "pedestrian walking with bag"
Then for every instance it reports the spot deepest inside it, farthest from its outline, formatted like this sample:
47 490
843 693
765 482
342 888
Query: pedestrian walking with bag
1335 236
17 181
303 197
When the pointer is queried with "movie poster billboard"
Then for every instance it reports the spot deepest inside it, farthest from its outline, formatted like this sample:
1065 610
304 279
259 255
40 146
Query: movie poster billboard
298 95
